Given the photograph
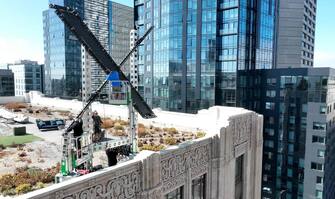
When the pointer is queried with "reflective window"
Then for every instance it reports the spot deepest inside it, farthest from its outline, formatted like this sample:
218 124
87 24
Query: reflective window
270 93
317 166
319 180
321 153
269 143
289 172
323 109
319 126
318 194
269 131
199 187
270 105
318 139
175 194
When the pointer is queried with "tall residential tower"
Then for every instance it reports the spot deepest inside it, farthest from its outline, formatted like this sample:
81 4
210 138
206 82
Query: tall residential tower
191 60
121 22
70 71
62 54
299 117
295 33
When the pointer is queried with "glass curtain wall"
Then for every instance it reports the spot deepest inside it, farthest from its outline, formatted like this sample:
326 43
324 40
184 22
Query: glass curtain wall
62 54
228 18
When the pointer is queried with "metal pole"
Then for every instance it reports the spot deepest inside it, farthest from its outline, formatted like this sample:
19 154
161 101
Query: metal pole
132 122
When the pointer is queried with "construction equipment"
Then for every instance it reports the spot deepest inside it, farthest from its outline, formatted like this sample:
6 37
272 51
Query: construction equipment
78 150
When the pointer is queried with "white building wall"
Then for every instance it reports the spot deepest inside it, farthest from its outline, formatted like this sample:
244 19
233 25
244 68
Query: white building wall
27 77
311 150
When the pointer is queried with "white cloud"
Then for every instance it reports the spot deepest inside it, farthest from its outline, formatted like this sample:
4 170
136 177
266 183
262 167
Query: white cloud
12 49
324 59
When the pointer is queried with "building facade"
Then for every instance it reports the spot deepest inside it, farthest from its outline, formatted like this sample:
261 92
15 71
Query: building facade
62 54
6 82
96 18
28 76
298 109
70 71
191 59
121 22
295 33
133 61
225 164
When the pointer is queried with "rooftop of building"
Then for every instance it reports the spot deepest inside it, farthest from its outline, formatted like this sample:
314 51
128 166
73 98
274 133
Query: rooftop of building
211 121
23 62
5 72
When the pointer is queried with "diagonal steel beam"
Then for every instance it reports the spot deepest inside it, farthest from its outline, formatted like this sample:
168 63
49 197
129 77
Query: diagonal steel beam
73 21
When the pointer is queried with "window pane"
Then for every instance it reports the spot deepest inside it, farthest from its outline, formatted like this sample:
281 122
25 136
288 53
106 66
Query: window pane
199 187
175 194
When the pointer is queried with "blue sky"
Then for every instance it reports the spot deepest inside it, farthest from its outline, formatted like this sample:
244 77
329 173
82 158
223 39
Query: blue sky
21 30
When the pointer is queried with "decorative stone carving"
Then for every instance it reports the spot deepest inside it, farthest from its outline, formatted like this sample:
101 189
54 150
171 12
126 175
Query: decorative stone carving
241 128
199 171
175 182
126 185
59 195
174 166
155 193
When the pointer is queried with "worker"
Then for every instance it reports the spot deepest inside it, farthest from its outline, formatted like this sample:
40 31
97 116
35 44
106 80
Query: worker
111 156
97 122
77 133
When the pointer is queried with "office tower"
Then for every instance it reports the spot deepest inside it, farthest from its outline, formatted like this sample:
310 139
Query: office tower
298 108
4 66
28 76
133 72
6 83
96 18
121 22
62 54
295 33
70 71
191 59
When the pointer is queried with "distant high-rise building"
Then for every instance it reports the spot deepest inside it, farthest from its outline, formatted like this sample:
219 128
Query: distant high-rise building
6 83
70 71
96 18
28 76
298 106
295 33
190 61
121 22
4 66
133 73
62 54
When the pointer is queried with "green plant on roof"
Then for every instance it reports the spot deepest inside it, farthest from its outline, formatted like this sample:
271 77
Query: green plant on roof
170 141
200 134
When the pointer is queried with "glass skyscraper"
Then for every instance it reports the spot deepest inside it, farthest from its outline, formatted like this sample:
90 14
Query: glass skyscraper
191 60
62 54
224 52
121 22
69 72
299 117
